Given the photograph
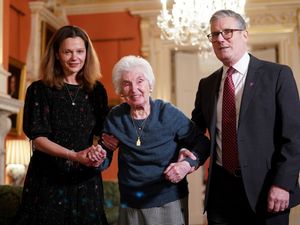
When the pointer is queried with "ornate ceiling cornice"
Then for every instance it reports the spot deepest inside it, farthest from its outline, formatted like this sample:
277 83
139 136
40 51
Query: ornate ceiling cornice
84 2
110 6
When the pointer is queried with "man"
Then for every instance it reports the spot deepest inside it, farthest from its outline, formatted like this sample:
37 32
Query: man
258 185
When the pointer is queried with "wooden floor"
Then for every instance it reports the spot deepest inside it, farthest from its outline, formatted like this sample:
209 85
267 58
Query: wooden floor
295 216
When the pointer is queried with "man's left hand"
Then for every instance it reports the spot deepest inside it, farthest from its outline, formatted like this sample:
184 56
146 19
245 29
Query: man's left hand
278 199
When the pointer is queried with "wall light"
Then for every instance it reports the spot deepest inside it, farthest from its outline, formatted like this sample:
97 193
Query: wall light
186 22
17 160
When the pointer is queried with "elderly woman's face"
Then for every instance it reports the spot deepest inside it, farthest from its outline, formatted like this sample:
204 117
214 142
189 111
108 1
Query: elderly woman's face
135 88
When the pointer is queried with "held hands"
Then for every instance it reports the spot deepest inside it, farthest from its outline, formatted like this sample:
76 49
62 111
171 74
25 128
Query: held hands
175 172
92 156
278 199
96 155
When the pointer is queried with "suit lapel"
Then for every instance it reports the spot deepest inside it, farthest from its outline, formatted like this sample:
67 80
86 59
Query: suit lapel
214 90
250 85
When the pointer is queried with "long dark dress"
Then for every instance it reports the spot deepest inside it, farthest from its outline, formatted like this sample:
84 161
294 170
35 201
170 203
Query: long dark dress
57 191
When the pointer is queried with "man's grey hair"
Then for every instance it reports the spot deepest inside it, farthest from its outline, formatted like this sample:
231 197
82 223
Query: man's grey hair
229 13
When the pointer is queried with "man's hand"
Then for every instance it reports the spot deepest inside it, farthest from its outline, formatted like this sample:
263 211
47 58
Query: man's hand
185 153
278 199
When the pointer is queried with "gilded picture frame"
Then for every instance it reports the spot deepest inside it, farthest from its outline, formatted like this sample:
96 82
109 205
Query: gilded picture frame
16 89
47 32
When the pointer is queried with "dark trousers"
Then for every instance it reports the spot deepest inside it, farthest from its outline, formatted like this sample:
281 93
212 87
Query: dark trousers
228 203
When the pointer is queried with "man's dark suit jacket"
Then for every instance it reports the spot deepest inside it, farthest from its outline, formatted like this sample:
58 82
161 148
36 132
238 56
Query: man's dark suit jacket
268 129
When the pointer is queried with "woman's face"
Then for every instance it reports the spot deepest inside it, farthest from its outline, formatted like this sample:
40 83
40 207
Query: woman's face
135 88
72 55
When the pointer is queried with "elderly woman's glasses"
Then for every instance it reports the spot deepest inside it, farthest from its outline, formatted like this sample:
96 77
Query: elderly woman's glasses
226 34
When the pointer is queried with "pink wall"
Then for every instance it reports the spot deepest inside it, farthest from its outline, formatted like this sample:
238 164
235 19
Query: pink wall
16 30
113 35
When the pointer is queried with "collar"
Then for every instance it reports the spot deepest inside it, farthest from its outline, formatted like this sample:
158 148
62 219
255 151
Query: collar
241 66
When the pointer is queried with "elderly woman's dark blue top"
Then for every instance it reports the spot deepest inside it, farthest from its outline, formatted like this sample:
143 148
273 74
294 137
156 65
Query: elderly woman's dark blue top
141 168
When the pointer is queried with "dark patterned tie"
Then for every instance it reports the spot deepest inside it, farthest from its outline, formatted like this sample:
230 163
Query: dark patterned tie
229 136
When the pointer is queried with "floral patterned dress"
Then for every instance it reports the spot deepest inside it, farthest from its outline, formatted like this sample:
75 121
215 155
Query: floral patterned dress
57 191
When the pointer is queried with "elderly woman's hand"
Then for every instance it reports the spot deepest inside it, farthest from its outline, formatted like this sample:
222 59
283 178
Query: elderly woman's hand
109 141
175 172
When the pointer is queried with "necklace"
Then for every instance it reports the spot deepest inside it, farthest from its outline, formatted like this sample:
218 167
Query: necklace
139 131
72 99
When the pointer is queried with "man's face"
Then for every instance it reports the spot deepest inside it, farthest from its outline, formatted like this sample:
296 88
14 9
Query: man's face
229 50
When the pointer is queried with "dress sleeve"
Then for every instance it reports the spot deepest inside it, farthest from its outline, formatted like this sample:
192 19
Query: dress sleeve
101 107
36 111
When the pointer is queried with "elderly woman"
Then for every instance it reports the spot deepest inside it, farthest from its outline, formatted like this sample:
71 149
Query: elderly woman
153 186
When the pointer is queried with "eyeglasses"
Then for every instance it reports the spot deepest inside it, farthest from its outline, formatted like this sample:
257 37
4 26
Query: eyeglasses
226 34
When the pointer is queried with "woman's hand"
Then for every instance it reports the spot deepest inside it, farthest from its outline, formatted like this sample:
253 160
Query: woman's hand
175 172
109 141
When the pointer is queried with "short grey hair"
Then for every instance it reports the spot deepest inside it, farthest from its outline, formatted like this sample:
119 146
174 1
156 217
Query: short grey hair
229 13
127 64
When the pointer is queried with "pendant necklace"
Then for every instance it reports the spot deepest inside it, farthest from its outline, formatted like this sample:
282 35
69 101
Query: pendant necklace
139 131
72 99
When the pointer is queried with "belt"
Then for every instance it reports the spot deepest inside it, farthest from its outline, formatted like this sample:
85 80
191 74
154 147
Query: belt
237 172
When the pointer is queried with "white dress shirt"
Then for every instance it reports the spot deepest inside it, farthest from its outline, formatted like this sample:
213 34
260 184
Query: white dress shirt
239 78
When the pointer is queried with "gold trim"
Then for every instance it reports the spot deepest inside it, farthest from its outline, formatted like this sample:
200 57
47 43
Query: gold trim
267 29
18 69
47 32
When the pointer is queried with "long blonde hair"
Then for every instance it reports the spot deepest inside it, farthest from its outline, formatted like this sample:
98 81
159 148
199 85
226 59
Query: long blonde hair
51 71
